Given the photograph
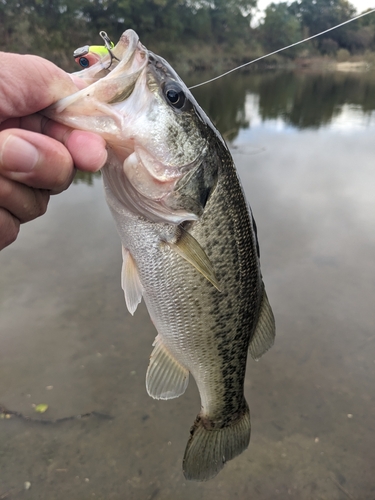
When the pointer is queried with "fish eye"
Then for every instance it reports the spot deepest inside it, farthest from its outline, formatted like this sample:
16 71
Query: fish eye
176 97
84 62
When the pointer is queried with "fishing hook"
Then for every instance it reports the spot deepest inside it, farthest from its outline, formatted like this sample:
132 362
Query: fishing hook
109 46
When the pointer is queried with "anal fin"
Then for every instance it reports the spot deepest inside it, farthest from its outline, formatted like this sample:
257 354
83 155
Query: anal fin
264 335
166 378
130 282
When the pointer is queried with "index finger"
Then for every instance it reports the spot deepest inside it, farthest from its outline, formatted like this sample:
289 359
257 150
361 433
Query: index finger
29 84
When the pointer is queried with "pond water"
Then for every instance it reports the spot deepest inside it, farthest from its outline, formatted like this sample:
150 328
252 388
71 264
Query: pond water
304 147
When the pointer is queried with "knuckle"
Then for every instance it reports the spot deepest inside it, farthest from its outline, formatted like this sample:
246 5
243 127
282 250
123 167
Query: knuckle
63 181
42 199
9 228
6 189
36 206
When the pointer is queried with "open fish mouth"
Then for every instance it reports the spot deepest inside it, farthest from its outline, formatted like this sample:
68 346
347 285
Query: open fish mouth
112 79
139 105
136 102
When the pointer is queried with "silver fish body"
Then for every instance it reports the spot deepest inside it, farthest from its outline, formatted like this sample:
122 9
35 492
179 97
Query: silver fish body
189 242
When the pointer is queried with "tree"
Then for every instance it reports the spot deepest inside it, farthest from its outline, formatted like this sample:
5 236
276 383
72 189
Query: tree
54 28
44 27
320 15
230 18
280 28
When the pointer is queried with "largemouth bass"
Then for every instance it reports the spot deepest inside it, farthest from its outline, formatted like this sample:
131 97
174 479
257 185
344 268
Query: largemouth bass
188 239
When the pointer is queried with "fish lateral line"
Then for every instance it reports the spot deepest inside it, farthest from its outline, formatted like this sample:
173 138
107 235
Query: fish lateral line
282 49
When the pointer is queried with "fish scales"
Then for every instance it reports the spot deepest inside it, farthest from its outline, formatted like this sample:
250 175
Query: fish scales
189 242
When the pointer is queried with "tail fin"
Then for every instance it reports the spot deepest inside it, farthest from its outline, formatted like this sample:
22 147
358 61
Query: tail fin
208 448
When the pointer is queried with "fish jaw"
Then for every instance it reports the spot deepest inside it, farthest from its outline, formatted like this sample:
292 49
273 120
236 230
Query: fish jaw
126 199
89 108
155 144
122 52
128 105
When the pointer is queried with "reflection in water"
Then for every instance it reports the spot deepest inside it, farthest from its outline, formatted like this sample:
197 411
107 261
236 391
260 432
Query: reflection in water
67 340
224 103
85 177
302 100
311 101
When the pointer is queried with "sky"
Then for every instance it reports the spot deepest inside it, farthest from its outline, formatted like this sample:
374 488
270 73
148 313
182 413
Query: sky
360 5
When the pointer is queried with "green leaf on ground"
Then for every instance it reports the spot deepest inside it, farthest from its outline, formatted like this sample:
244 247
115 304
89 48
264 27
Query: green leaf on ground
41 408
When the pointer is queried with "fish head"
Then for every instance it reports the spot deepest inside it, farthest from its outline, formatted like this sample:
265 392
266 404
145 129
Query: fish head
156 132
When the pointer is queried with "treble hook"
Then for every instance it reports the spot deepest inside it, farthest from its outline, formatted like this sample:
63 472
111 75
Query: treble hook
109 46
88 55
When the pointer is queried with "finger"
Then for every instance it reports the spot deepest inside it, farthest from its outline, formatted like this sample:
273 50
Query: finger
30 83
88 150
22 202
35 160
9 228
78 81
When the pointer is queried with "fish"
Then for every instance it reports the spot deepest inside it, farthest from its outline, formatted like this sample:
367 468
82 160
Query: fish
189 240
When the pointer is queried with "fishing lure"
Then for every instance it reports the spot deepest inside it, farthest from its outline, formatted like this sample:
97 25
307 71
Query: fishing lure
88 55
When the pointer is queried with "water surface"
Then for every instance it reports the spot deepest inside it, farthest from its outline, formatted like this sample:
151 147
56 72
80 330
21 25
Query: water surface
304 147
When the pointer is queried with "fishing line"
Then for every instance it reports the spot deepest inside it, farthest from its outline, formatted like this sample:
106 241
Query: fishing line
284 48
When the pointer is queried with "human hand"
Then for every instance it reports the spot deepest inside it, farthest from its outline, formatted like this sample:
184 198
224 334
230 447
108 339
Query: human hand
37 155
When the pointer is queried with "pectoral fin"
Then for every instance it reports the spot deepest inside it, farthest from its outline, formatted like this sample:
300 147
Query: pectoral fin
166 378
130 282
190 250
264 335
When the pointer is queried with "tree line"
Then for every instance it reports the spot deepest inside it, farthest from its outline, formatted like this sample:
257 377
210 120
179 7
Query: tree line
285 23
194 33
